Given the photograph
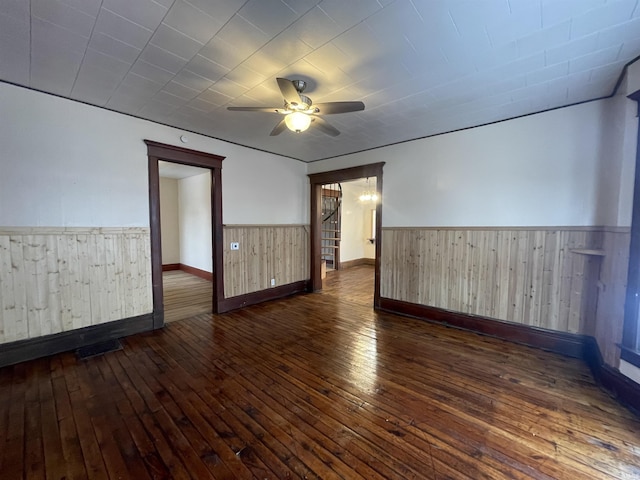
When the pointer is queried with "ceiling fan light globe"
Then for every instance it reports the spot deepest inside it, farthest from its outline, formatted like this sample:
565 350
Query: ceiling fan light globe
297 121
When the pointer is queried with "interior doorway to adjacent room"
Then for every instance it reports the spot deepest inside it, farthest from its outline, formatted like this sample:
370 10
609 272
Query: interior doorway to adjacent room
319 181
348 224
158 153
187 260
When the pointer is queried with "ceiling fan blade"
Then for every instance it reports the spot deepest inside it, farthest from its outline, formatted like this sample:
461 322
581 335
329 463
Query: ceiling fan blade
289 92
338 107
325 126
279 128
254 109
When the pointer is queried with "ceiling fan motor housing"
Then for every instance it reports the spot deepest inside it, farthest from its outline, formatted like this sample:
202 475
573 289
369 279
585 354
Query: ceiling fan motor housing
304 104
299 85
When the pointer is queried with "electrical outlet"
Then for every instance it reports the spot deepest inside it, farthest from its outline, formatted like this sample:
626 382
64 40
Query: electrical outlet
273 282
235 246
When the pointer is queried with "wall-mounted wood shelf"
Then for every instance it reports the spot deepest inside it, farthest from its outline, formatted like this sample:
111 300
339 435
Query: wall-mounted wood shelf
586 251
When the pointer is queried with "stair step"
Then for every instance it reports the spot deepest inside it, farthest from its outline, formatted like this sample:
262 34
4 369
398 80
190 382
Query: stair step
331 238
329 246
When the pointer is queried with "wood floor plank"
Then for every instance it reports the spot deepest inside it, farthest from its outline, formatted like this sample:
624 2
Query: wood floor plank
13 461
91 453
34 450
52 442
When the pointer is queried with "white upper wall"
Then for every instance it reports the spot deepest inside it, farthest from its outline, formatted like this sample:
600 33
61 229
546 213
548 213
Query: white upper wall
352 225
64 163
169 221
356 223
539 170
194 218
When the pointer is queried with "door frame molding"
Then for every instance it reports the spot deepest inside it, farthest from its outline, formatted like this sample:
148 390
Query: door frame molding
160 151
336 176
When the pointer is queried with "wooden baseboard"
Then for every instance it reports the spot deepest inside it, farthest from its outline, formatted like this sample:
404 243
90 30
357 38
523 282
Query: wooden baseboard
630 356
253 298
625 390
571 345
584 347
197 272
358 261
170 266
30 349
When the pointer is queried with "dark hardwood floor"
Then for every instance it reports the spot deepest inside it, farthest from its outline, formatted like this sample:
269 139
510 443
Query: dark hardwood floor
314 386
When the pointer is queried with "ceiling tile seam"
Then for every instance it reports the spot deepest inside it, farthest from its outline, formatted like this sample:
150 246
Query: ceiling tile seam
123 18
486 32
453 21
184 35
161 5
356 24
541 21
192 73
592 53
415 9
141 50
619 51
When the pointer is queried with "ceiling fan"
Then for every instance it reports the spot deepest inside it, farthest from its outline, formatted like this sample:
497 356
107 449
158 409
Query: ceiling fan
300 112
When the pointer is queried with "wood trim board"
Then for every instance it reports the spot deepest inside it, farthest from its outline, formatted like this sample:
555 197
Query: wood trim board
240 301
569 228
630 356
170 153
358 261
197 272
32 348
335 176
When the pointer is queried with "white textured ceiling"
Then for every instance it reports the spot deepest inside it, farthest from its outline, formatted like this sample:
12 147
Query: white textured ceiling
421 67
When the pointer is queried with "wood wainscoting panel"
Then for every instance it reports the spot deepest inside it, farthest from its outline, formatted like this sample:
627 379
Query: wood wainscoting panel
59 279
527 276
266 251
612 289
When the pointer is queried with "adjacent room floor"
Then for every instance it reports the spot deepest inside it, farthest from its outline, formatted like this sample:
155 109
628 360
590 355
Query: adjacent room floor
313 386
185 295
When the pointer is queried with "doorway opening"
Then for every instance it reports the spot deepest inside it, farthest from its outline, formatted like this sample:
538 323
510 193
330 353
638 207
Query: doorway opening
321 187
185 219
158 153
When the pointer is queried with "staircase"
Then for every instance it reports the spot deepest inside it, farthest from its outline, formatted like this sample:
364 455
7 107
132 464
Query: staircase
331 216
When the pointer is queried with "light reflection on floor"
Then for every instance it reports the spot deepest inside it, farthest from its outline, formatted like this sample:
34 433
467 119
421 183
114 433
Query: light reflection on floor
364 357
